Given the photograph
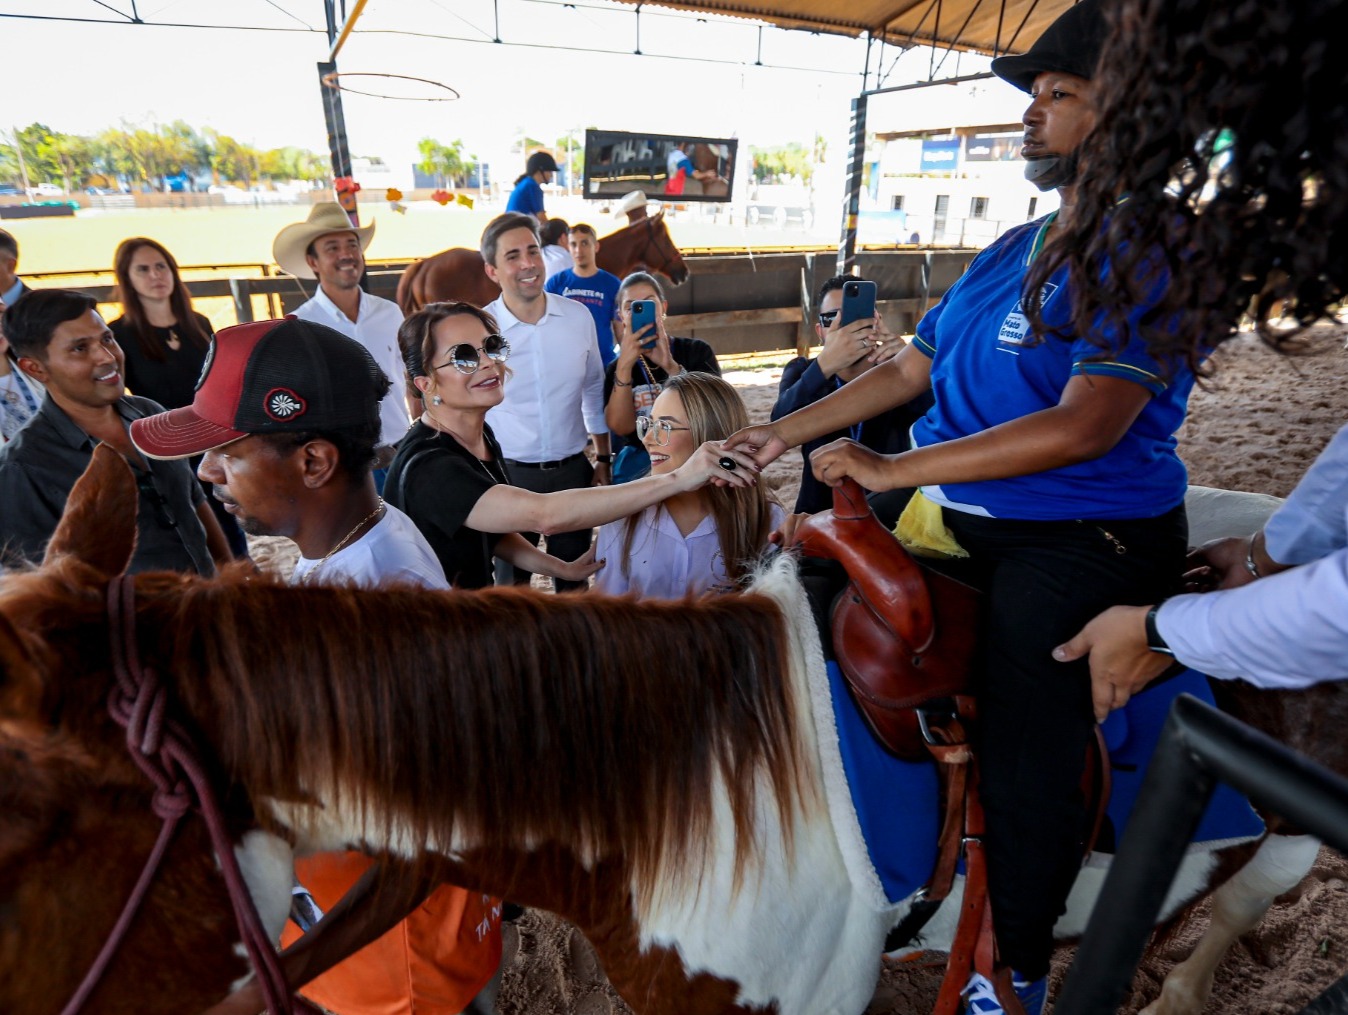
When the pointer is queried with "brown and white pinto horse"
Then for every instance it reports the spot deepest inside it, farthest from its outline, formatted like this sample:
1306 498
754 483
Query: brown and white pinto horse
457 273
655 772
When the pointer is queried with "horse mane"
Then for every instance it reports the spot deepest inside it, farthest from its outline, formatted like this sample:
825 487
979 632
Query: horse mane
491 714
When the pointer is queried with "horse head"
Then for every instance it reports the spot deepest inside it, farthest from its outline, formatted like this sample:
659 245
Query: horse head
660 252
98 525
92 544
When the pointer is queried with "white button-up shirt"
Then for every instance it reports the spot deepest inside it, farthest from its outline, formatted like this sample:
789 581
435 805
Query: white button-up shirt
1289 629
554 397
376 328
665 564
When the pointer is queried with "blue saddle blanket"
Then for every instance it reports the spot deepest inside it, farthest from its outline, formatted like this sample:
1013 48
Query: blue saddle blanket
896 801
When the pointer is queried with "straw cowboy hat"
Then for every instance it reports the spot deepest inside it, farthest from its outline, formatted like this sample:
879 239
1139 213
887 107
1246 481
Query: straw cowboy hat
292 241
634 205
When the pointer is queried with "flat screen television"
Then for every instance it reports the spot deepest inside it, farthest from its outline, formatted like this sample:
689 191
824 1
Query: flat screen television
668 167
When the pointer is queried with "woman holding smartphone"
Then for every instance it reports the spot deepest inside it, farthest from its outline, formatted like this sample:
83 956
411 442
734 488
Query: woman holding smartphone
448 474
1050 459
647 358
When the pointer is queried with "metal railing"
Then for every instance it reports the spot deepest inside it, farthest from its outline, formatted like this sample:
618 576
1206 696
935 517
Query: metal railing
1198 746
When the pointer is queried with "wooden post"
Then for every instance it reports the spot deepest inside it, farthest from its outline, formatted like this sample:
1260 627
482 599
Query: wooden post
241 290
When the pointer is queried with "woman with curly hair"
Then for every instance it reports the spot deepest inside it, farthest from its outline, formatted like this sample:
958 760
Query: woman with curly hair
1226 125
1047 469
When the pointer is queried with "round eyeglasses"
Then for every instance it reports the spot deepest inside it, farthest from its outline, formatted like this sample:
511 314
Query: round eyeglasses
466 359
662 427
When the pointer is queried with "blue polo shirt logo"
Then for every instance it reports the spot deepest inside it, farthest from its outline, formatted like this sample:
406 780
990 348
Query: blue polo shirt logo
1015 330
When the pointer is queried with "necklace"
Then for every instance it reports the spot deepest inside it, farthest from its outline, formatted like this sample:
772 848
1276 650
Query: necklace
378 508
437 425
173 341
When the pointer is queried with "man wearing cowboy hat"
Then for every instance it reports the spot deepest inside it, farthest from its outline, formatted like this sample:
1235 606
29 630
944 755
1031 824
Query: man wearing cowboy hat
326 246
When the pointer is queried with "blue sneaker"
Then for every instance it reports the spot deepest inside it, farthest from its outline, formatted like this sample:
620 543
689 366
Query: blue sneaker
981 999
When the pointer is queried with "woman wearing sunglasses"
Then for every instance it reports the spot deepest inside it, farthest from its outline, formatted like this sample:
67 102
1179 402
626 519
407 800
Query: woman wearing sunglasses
448 474
705 538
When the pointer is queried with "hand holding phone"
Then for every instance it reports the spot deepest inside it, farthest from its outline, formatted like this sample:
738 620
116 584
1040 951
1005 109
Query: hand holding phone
858 302
643 315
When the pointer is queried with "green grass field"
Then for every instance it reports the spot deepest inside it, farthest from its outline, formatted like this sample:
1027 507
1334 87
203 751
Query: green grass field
243 235
228 235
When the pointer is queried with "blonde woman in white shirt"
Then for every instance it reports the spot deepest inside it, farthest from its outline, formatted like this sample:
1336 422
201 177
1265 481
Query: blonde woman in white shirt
700 540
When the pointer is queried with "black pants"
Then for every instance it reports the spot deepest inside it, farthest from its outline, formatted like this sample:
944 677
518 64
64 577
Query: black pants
573 475
1043 582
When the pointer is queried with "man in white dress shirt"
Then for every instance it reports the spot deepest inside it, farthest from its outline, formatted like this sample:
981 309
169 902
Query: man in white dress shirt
1289 630
555 395
326 246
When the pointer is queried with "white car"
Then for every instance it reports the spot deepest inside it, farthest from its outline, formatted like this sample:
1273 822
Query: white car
45 190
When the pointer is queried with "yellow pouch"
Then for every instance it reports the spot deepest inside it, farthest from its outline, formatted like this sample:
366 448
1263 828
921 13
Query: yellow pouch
923 532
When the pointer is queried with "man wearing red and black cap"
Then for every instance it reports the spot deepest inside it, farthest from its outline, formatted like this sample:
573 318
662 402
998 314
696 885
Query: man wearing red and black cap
287 417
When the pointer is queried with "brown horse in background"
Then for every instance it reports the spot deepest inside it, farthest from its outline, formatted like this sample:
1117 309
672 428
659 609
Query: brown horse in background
458 274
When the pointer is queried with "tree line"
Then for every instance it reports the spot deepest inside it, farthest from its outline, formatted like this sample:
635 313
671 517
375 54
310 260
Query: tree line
139 156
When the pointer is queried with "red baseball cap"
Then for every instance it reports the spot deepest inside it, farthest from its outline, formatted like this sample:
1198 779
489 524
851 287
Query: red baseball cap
269 377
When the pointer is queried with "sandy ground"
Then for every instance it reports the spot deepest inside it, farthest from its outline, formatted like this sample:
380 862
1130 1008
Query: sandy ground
1255 426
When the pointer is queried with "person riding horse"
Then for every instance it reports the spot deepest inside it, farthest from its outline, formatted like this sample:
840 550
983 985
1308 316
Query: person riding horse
1024 484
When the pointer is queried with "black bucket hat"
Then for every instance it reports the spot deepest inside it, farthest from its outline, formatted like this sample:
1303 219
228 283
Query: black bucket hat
1071 45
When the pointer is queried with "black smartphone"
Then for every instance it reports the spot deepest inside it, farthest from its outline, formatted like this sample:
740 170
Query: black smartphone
643 313
858 302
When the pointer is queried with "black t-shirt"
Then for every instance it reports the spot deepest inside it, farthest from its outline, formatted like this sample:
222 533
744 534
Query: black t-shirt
437 482
172 381
690 353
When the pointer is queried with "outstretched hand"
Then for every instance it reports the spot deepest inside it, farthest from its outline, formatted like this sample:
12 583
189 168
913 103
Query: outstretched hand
1121 663
761 443
704 467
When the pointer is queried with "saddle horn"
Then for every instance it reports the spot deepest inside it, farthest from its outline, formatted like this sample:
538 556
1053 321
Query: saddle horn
902 635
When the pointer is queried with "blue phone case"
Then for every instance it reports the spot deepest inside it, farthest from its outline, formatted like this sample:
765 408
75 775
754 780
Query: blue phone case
858 301
643 313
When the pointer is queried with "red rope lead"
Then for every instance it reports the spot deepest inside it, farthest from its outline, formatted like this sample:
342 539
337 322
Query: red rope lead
163 750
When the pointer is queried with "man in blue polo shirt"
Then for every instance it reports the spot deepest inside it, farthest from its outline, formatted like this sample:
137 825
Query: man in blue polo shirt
589 284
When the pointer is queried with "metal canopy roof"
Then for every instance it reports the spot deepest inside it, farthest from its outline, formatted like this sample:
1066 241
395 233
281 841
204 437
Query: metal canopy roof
992 27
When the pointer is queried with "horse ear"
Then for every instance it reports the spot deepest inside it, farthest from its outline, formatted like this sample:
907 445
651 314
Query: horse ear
98 525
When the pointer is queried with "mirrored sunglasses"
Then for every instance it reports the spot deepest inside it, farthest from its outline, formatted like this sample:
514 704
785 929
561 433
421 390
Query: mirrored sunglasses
827 317
466 359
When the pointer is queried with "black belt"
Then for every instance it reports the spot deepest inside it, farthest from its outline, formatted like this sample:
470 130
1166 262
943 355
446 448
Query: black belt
556 464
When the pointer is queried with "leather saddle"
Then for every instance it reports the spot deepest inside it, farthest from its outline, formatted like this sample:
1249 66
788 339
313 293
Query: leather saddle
902 634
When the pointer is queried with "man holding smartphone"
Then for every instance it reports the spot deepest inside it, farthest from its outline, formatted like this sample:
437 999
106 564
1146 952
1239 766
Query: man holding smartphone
847 351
